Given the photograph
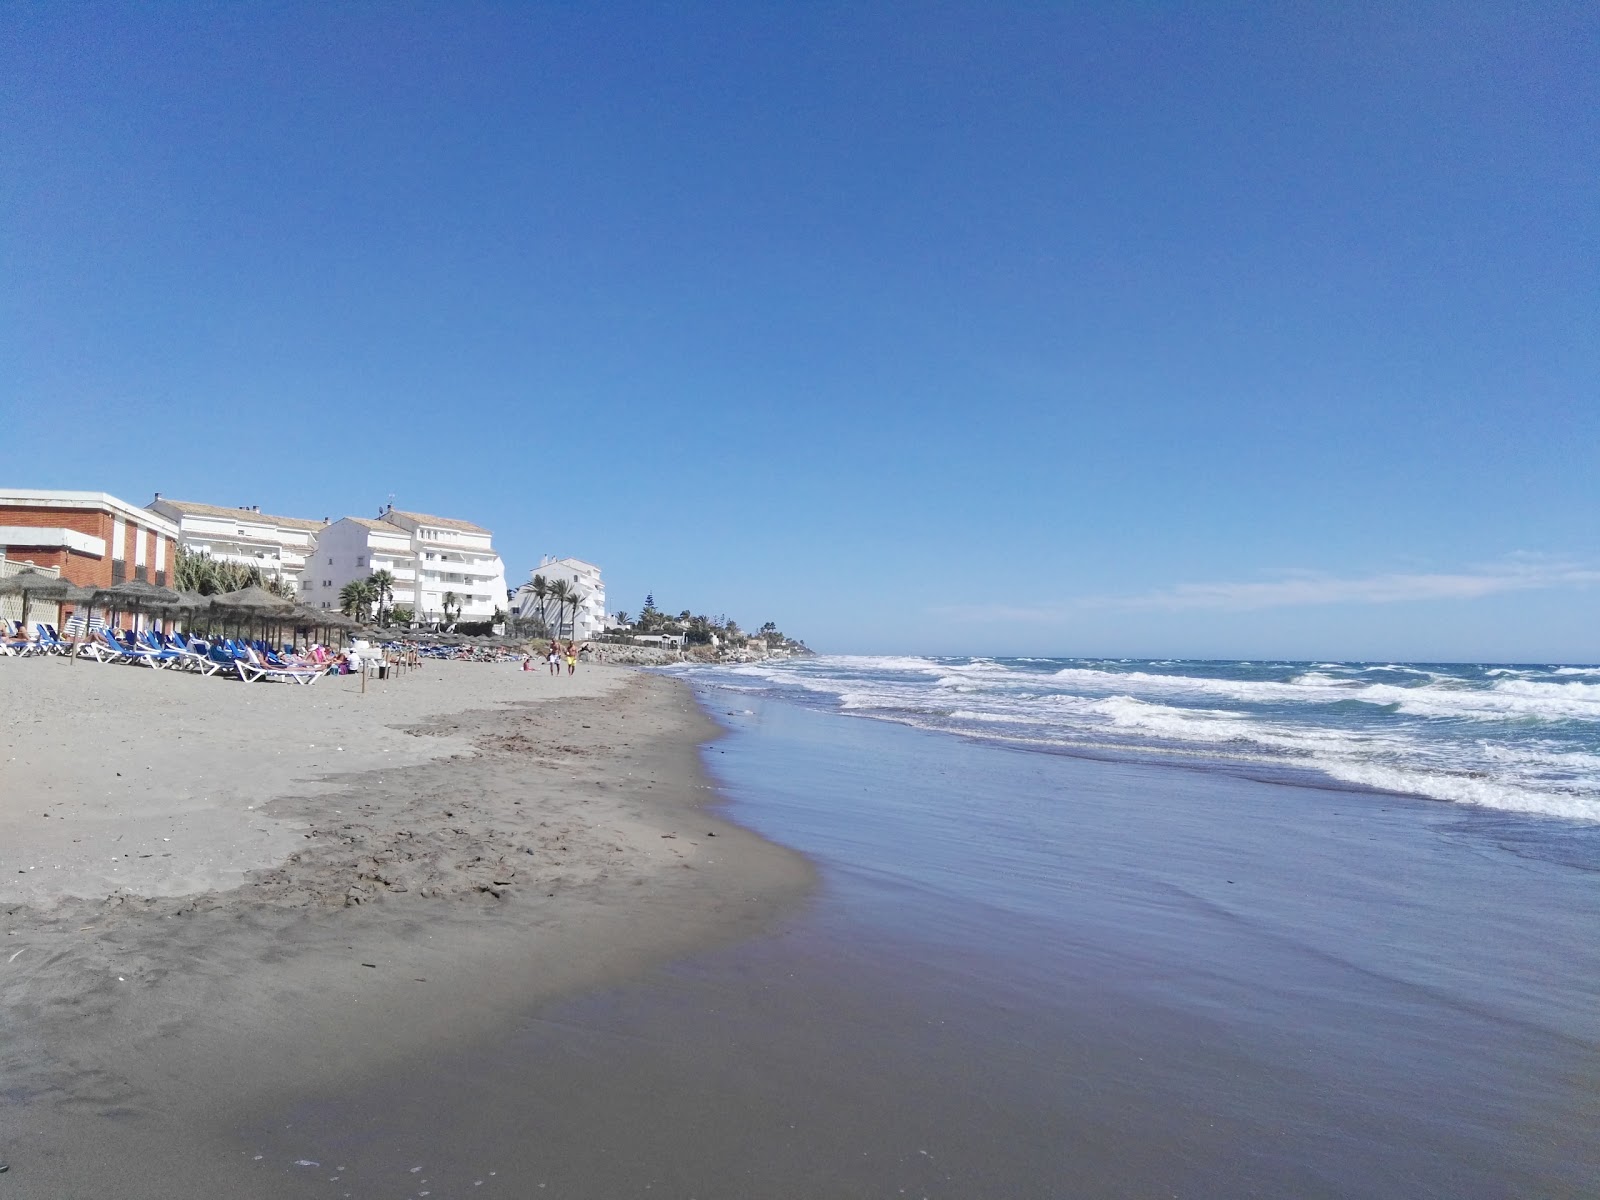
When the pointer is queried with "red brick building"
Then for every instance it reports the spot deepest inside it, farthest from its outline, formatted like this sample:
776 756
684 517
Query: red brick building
95 539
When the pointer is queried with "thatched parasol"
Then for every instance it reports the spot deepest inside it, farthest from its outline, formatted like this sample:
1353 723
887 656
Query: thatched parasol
191 602
137 595
252 603
253 599
32 582
133 595
29 583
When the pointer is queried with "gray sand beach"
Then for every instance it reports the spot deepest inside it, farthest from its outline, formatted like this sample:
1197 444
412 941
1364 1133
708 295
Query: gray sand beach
218 897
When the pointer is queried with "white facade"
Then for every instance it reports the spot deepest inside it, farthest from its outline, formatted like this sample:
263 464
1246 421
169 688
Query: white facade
278 545
428 557
584 577
353 548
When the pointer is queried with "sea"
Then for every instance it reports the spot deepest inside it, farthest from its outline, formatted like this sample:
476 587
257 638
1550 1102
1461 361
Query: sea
1094 928
1514 738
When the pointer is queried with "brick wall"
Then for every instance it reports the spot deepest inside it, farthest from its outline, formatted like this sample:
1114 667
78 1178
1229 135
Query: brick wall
82 569
85 570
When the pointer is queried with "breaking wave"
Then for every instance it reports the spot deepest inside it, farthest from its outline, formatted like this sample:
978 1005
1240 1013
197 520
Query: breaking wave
1517 738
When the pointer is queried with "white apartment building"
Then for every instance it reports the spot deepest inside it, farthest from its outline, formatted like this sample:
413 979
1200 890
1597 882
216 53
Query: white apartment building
428 557
590 618
278 545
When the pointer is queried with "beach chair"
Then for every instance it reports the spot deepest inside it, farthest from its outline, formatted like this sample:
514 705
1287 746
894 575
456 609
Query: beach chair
115 650
49 640
189 657
146 642
22 645
254 669
104 648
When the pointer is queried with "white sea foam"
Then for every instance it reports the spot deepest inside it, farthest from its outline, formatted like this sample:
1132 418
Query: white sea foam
1000 718
1468 789
1471 736
1505 699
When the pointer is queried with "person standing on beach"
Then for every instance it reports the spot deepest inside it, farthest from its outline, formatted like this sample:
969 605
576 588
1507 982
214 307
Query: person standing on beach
572 659
554 657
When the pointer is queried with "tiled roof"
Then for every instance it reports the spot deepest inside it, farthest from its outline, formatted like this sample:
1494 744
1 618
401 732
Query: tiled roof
380 526
442 522
218 510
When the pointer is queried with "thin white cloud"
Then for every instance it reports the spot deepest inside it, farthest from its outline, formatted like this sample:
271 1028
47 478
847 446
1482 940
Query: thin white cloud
1303 588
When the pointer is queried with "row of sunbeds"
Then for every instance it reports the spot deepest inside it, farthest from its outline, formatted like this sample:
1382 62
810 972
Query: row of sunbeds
250 661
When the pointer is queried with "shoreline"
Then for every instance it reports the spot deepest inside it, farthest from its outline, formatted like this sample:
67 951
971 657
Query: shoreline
536 850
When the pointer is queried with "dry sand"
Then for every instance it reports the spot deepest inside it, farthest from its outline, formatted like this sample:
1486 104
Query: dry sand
219 896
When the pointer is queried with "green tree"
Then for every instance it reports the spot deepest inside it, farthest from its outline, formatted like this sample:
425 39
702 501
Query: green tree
575 599
649 616
541 595
355 599
402 614
620 616
382 585
450 601
194 571
560 591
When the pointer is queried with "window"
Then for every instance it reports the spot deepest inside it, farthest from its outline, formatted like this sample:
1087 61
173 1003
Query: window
361 561
330 560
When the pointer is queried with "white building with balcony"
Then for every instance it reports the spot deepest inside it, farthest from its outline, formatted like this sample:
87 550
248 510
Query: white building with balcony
278 545
429 557
588 619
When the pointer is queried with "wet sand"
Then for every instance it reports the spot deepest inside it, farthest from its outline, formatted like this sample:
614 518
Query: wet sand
219 898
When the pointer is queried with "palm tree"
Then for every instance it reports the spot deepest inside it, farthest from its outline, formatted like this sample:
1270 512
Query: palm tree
560 590
382 584
355 598
541 593
575 598
450 600
620 616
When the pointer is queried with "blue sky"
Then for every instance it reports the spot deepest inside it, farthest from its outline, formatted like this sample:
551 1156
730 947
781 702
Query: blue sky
938 327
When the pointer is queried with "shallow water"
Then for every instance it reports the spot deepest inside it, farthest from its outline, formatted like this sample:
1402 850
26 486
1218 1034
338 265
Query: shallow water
1035 975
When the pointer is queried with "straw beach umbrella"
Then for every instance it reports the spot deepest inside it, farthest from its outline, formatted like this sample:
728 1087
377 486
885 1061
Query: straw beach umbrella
133 595
190 603
253 602
29 583
253 599
303 616
140 596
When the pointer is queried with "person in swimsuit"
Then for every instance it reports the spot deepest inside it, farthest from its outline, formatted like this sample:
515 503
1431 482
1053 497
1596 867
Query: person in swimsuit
572 659
554 657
